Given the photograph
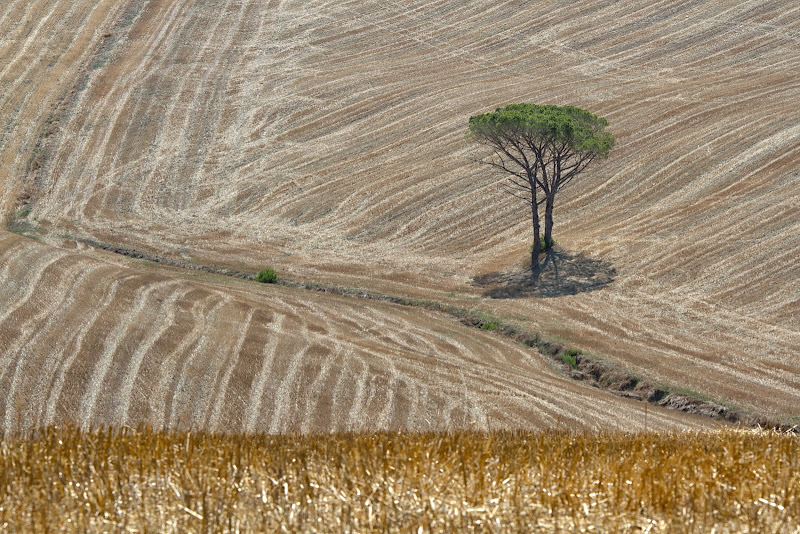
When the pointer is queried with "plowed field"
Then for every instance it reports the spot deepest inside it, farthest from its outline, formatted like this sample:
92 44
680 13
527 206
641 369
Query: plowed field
326 139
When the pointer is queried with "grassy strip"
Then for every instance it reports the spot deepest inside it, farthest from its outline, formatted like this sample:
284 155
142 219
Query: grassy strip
572 362
109 480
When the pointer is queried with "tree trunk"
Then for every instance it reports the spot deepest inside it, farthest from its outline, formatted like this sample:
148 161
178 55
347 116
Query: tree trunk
536 249
548 223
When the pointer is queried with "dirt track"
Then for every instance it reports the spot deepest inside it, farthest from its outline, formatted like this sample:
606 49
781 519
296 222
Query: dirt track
327 139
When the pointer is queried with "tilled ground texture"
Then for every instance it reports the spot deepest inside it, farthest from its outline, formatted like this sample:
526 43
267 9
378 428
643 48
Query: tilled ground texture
98 339
327 139
44 45
106 341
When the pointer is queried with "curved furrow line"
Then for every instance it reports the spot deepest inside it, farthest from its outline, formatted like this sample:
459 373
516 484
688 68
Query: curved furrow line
198 77
134 134
15 15
131 377
650 219
33 326
48 69
191 392
64 357
288 373
357 416
47 330
755 275
677 38
112 346
94 151
316 399
19 277
450 373
765 220
214 420
342 390
187 332
32 40
395 332
64 366
637 194
386 406
243 373
268 357
547 398
30 299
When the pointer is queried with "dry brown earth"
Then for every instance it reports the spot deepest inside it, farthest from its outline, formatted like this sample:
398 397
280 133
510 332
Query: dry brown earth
98 339
327 139
43 46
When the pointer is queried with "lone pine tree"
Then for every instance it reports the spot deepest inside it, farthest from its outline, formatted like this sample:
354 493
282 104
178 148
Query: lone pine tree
541 149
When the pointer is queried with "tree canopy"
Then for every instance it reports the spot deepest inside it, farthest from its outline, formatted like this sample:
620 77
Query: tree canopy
542 148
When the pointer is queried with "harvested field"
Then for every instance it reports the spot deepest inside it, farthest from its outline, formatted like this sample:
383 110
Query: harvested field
43 46
105 341
64 480
327 139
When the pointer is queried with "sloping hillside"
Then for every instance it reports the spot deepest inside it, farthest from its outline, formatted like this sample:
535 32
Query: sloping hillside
102 340
43 46
327 138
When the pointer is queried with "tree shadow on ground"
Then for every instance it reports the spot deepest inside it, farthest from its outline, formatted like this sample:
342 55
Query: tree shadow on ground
559 274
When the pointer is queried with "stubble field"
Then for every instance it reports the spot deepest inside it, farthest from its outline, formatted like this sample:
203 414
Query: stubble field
96 340
136 480
326 139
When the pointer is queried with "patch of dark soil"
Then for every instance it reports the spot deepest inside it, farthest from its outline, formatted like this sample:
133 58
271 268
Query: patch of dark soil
559 274
649 392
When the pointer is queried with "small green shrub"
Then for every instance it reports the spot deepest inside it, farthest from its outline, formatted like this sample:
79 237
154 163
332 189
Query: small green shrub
489 325
542 244
569 359
267 276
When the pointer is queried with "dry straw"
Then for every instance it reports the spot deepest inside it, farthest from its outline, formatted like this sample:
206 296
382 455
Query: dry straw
65 479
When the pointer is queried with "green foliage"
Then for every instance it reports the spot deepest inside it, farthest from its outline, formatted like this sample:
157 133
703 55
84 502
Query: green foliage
537 125
489 325
542 245
569 359
19 223
267 276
